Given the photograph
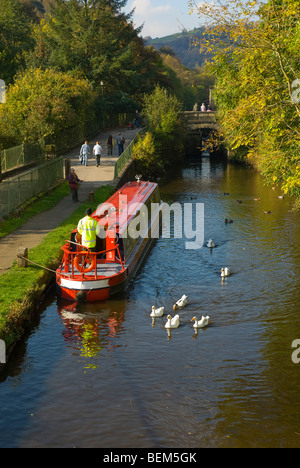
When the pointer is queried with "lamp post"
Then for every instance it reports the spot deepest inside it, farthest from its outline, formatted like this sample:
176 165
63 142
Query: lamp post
102 86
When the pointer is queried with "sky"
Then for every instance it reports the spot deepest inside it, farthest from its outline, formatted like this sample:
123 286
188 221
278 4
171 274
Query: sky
162 17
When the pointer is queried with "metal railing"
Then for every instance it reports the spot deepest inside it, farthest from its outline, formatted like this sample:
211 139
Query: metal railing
17 190
18 156
126 156
69 257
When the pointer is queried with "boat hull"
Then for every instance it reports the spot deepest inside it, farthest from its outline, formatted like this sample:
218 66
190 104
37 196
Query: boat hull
92 290
88 291
107 274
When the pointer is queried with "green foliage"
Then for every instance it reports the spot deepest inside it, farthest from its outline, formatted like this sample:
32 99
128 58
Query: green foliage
73 61
191 86
147 155
98 42
163 143
42 103
15 38
163 112
256 61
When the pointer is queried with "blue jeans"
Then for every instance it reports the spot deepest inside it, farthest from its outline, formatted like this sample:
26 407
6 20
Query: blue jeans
84 159
120 149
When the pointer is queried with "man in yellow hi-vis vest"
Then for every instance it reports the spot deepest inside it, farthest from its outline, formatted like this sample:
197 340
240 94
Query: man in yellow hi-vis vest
87 229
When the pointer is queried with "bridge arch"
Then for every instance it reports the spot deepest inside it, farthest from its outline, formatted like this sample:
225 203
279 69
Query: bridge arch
195 120
198 126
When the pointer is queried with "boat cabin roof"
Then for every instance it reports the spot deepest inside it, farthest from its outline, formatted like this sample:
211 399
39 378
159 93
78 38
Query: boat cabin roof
124 204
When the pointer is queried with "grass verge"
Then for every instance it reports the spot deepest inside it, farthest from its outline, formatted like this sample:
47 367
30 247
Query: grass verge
21 290
37 205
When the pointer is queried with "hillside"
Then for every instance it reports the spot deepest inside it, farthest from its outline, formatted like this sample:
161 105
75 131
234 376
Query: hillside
184 45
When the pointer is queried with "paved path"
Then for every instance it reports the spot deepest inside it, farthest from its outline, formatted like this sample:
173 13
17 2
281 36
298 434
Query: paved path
33 231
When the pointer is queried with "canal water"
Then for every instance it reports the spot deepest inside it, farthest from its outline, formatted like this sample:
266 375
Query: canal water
103 375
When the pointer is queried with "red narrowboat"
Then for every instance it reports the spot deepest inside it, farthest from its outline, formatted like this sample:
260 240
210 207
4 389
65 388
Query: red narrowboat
127 224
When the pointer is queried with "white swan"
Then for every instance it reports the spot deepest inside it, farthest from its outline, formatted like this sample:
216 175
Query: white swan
225 272
157 312
200 323
210 244
181 302
172 322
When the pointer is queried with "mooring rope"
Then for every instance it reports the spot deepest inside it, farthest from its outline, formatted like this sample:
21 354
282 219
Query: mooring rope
30 261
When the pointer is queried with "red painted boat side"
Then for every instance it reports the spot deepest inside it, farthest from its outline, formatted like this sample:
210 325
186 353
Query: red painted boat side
73 285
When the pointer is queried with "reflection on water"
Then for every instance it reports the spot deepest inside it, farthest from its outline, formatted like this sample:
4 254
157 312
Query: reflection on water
109 375
90 330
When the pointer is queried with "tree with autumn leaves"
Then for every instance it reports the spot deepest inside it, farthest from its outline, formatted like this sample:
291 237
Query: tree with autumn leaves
43 103
77 45
162 144
256 62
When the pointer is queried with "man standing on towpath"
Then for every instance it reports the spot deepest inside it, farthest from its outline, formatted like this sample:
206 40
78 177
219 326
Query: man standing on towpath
97 150
84 153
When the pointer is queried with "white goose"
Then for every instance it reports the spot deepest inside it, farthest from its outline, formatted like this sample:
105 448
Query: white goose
157 312
200 323
225 272
182 302
210 244
172 322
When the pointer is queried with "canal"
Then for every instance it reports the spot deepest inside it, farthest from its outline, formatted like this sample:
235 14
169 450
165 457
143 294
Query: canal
103 375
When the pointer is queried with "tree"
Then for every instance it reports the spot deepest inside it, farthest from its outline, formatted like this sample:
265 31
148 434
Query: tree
256 63
41 104
190 86
15 38
95 40
163 142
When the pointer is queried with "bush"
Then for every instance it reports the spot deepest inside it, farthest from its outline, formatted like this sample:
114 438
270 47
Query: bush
163 143
147 156
42 103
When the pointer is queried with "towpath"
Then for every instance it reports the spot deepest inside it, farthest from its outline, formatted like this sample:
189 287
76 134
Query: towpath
32 232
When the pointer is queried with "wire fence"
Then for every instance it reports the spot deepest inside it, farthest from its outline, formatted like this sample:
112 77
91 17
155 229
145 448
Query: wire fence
18 156
17 190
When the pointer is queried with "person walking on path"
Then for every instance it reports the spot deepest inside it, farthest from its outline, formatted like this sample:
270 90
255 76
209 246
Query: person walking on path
137 119
73 183
84 153
110 144
97 150
87 229
120 142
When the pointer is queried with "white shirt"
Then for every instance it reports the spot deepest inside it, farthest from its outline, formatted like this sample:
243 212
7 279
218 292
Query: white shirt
97 149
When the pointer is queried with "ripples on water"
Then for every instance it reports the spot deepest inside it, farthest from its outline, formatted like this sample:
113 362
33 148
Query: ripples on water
102 375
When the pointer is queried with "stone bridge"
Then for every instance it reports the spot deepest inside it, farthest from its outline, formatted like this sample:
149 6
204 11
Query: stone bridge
199 126
196 121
